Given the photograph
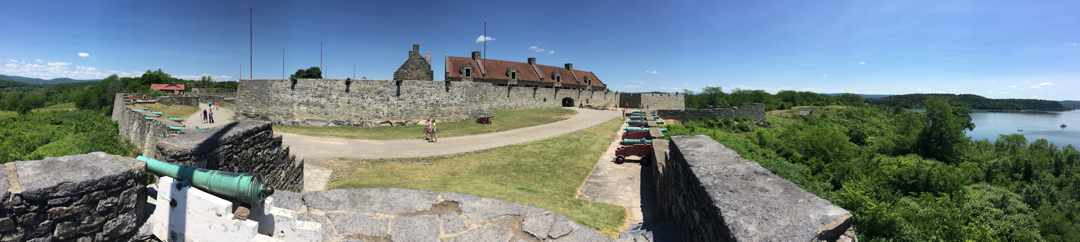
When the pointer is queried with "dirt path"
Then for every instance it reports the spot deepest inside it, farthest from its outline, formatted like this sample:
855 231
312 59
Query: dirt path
312 147
222 116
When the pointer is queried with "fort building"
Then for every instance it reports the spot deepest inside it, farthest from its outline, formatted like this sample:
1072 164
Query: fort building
416 67
525 74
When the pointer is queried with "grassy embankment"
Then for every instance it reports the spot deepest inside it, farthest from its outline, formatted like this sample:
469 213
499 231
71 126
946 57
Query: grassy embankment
818 110
172 111
62 106
544 173
503 120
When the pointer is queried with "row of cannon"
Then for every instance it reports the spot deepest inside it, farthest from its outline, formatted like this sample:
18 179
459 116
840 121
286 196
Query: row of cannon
160 114
637 141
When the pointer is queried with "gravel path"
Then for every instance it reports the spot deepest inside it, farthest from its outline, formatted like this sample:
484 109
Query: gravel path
222 116
313 147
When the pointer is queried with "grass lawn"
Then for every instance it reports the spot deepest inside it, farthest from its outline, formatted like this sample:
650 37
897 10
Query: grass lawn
544 173
2 113
503 120
172 111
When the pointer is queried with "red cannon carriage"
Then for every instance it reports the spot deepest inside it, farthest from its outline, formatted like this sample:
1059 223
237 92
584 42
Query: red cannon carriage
640 150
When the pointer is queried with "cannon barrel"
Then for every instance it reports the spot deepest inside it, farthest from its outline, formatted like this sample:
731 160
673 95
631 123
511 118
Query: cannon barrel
244 187
642 121
183 128
632 129
636 141
175 119
158 113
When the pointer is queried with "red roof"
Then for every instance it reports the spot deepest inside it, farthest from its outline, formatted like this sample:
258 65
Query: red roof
167 87
496 69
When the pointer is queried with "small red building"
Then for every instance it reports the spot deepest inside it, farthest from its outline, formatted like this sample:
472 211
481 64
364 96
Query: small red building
174 89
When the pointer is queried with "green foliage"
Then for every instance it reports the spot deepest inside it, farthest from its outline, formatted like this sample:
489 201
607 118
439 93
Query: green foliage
943 136
714 97
313 72
38 135
868 160
970 101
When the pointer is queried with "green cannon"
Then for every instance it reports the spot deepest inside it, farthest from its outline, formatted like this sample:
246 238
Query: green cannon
245 187
488 116
633 129
643 117
636 141
149 118
158 113
136 110
175 119
183 128
144 108
636 121
642 112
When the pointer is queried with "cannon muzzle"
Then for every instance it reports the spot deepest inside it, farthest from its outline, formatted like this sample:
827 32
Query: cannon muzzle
244 187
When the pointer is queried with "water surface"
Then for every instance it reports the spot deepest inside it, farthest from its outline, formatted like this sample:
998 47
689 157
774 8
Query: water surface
1035 125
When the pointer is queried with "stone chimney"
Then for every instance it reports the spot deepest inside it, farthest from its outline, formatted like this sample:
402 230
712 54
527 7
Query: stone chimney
476 55
569 66
428 57
532 60
416 49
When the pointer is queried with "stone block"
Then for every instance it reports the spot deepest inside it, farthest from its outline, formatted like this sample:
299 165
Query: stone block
373 200
452 223
486 233
65 230
482 209
359 224
538 225
415 228
700 150
70 175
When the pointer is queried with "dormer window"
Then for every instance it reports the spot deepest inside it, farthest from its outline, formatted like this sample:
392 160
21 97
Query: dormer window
468 72
512 73
588 80
558 78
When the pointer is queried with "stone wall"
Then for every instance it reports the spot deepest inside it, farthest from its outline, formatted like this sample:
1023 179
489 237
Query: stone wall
652 100
212 91
333 102
88 197
755 111
190 100
713 194
245 146
136 128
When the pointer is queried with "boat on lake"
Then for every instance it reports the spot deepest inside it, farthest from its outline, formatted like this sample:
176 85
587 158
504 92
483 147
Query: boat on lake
1063 126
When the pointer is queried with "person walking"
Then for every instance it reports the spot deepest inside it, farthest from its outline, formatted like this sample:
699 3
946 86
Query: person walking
434 131
427 130
218 105
204 116
211 116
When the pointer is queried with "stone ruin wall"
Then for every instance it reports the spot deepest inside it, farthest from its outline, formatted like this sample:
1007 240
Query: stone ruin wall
755 111
245 146
659 101
325 102
88 197
238 147
713 194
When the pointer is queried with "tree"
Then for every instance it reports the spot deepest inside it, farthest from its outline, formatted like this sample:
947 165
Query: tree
943 134
313 72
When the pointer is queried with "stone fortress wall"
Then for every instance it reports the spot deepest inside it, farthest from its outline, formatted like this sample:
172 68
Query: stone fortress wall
247 146
755 111
659 101
88 197
366 102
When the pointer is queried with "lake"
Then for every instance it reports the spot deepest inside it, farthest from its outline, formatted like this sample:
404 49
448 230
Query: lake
1036 125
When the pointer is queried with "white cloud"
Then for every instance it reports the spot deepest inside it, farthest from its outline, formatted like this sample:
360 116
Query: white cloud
1035 96
1042 84
58 63
13 60
989 92
642 82
862 63
631 86
552 52
482 38
653 72
993 81
84 54
1012 86
824 75
534 48
196 77
1005 92
51 70
39 61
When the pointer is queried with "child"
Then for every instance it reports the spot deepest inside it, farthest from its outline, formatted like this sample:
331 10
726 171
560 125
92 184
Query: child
204 116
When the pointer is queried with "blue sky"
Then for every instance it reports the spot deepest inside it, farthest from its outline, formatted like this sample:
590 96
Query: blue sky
997 49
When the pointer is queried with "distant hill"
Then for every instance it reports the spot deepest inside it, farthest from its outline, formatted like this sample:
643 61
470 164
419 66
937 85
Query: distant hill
1070 103
29 80
867 96
971 101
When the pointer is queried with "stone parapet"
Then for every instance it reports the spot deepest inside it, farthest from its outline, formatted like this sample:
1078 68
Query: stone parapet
394 214
134 127
713 194
190 100
245 146
88 197
755 111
